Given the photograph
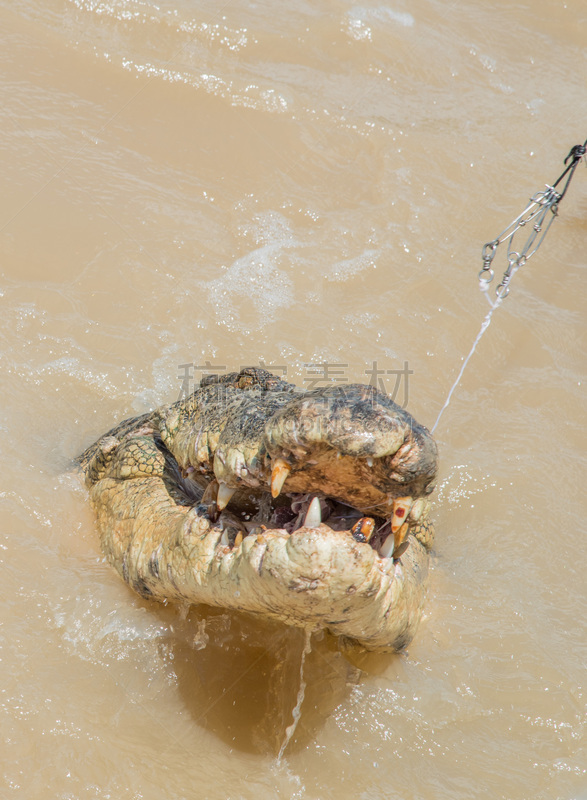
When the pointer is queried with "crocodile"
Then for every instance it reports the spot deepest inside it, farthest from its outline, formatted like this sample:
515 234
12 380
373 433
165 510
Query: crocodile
309 507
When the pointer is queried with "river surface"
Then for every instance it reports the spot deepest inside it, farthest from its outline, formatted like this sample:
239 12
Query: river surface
192 186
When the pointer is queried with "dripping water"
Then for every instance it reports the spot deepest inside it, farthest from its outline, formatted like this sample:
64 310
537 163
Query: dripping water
297 711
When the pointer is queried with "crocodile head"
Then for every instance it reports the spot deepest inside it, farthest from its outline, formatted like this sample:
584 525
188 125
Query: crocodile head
253 496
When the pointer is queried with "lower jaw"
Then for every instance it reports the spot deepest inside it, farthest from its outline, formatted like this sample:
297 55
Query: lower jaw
322 578
314 578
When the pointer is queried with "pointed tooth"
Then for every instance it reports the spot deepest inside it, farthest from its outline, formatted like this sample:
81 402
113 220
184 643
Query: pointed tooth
399 536
223 539
401 509
225 492
210 493
388 546
238 539
279 473
401 549
313 516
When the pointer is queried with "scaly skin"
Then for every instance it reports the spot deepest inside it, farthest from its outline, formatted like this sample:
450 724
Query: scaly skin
154 480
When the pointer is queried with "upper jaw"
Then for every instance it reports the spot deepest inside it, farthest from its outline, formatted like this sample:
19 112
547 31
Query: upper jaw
363 483
350 442
353 443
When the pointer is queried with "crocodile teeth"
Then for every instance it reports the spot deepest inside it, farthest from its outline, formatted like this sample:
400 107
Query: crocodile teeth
313 515
401 509
238 539
279 473
210 493
401 549
388 547
225 492
395 545
363 529
399 536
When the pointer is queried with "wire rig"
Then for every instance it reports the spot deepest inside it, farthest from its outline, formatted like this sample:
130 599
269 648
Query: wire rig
538 216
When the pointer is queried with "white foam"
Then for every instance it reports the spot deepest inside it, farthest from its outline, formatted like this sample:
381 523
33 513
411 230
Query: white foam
256 277
348 268
360 20
93 631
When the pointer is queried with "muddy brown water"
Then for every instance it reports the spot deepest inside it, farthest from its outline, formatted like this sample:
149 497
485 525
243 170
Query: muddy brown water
229 184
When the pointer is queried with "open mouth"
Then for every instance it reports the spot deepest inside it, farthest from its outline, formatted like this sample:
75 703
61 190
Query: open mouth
253 514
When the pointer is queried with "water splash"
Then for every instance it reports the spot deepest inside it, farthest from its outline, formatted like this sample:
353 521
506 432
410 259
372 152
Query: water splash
485 324
297 711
